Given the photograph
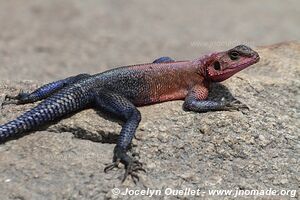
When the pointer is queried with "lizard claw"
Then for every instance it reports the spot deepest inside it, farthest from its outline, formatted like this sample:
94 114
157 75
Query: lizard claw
8 99
18 99
111 166
131 166
5 102
131 170
235 105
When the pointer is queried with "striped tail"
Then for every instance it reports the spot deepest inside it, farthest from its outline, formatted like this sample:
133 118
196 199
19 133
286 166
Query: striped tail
56 106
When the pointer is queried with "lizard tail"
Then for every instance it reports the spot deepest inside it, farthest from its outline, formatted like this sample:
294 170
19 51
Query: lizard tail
48 110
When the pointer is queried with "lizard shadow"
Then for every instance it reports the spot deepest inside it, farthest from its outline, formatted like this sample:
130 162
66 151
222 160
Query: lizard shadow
102 136
219 91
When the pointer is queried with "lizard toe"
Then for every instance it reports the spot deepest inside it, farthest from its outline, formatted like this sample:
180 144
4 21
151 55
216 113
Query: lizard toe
111 166
131 169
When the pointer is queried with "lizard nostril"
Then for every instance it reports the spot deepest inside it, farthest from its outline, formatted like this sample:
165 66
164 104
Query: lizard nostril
217 65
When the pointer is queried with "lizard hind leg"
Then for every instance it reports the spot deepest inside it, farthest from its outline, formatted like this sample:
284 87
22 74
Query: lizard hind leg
44 91
122 108
163 60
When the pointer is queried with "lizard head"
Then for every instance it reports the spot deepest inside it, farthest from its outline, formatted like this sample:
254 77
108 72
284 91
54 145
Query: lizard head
220 66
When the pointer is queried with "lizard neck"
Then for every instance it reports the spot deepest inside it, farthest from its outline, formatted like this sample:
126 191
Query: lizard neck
201 65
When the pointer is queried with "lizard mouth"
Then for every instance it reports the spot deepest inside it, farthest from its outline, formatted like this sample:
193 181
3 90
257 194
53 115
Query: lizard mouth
235 68
239 67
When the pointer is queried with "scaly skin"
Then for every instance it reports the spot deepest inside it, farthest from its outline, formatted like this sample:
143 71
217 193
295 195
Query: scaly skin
120 90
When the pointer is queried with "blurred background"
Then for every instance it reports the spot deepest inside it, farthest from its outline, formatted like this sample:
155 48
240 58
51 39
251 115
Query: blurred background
49 40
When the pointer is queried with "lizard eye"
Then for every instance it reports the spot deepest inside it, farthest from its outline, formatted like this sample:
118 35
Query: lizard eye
234 55
217 66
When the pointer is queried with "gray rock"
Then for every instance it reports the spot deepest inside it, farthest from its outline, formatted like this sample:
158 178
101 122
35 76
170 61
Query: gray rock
255 149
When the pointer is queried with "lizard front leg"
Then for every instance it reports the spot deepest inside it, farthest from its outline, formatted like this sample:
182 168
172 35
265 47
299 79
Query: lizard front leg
122 108
44 91
196 101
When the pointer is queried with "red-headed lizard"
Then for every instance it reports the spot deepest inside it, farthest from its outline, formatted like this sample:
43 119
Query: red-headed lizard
119 91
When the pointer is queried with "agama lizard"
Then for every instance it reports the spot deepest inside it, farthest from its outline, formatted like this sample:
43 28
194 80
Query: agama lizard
119 91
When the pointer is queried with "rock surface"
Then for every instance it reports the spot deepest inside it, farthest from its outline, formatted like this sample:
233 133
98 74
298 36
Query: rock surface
255 149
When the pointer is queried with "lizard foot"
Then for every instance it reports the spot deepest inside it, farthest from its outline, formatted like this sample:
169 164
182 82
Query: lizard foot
14 99
131 166
9 100
22 95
